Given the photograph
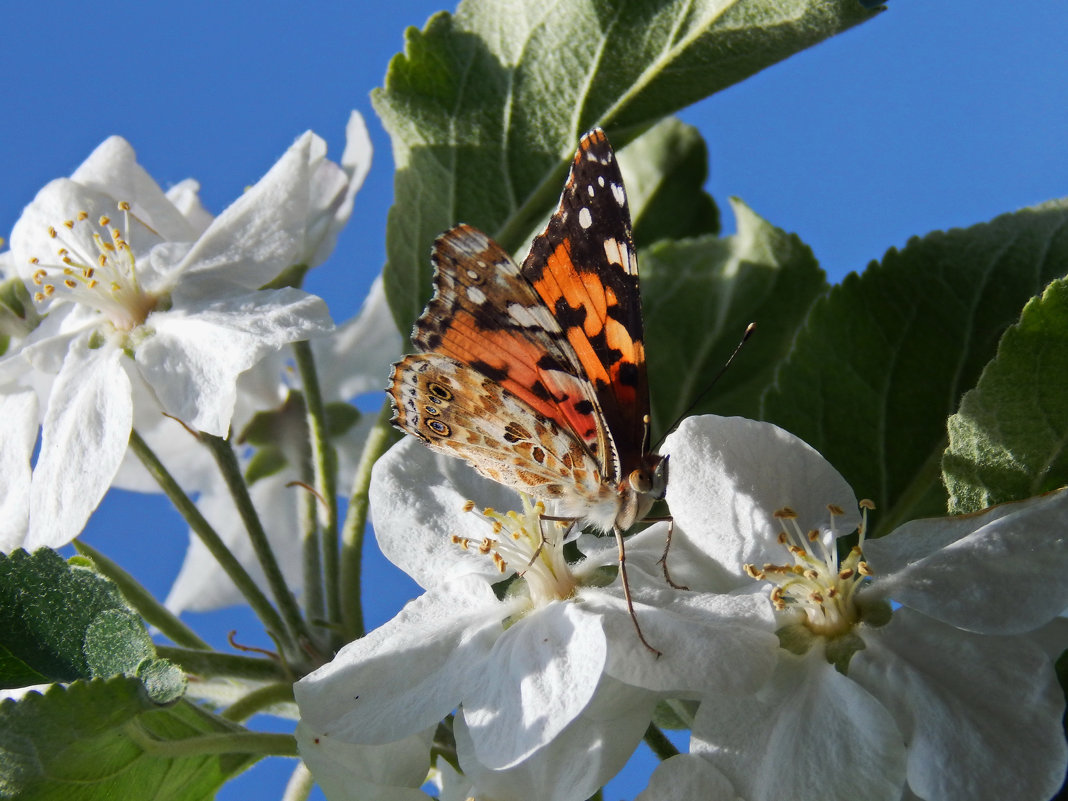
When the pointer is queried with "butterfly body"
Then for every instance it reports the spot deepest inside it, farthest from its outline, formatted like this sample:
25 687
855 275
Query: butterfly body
535 374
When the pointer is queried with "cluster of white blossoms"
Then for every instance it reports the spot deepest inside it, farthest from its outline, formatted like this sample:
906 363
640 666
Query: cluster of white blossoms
152 315
915 667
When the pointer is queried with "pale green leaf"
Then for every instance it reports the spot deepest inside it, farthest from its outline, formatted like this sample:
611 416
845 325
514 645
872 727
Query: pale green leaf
485 107
1009 440
699 296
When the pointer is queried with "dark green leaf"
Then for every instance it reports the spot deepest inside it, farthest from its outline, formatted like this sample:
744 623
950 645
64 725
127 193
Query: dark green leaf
1009 440
699 296
485 107
74 744
46 606
63 621
886 357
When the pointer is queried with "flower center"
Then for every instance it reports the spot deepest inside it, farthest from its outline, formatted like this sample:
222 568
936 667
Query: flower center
812 582
531 546
94 266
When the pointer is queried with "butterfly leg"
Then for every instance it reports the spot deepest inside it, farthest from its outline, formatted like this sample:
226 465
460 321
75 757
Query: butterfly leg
626 589
551 519
662 561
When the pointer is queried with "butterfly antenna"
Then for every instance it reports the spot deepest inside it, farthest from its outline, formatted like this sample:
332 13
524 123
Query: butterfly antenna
745 337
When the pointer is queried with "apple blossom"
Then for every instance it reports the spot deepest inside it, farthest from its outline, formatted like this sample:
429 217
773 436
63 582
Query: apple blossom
148 307
910 657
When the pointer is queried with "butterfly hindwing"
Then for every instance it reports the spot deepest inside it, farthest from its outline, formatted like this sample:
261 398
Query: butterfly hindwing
456 410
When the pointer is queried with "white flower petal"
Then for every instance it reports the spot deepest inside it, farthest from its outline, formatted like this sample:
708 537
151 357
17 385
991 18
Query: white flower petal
84 436
988 706
410 672
1000 571
417 499
721 642
194 357
581 758
263 231
185 195
333 190
355 359
112 170
686 777
346 772
18 410
540 675
811 733
727 478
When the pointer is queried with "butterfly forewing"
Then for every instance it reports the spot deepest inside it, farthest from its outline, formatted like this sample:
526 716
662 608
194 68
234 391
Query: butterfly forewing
585 269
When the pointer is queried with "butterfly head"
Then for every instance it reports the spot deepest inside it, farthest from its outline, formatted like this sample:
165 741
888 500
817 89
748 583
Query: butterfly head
643 486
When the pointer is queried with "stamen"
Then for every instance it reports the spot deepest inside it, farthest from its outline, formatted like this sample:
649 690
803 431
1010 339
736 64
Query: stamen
84 249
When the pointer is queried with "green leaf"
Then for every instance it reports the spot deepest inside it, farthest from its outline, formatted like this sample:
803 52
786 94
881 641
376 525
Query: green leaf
340 418
86 742
18 315
885 358
1009 440
665 170
266 461
698 298
46 606
63 621
485 107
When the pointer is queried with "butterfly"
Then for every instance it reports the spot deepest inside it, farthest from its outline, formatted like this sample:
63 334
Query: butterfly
535 373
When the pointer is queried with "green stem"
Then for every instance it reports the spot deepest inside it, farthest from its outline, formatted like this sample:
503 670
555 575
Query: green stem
261 743
226 459
311 545
214 663
660 744
300 784
378 440
325 466
188 510
154 613
258 700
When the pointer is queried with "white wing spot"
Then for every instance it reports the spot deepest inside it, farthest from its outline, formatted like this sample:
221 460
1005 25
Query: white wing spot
472 274
620 194
614 252
600 180
589 189
585 218
476 295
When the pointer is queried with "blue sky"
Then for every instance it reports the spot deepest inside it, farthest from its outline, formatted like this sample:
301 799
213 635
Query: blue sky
931 116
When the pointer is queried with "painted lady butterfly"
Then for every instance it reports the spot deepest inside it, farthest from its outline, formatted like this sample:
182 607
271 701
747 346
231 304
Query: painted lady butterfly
536 374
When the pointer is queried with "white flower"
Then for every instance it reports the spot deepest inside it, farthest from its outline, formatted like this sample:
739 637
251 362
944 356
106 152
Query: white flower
545 656
144 305
907 666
